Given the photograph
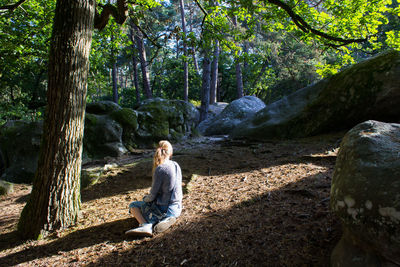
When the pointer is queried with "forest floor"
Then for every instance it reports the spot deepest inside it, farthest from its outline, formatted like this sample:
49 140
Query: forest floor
245 204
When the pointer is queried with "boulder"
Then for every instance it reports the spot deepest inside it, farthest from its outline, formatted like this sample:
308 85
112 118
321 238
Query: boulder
213 111
365 196
128 119
232 115
165 119
102 107
19 145
6 188
364 91
103 137
109 132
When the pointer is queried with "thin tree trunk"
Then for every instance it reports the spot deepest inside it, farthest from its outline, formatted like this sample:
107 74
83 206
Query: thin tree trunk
205 88
239 79
195 63
214 74
114 74
185 62
55 199
261 73
114 82
246 68
135 79
143 62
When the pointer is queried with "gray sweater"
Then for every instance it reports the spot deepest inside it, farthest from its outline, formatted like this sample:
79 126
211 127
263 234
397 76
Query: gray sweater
167 184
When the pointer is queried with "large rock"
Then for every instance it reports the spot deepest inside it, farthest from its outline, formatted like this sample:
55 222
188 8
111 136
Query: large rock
103 137
365 195
110 131
6 188
213 110
102 107
233 114
165 119
367 90
19 145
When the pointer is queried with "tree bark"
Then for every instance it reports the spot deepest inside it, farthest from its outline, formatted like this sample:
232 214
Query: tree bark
214 74
239 79
55 199
205 88
196 65
114 83
135 79
185 62
143 62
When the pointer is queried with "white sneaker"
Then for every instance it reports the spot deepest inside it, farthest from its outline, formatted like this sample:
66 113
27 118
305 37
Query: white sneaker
164 224
144 229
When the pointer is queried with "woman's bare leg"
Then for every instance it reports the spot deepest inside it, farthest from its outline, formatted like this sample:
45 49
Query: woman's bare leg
138 215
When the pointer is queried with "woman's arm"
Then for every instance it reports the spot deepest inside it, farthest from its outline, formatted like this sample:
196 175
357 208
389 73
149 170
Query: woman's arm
155 187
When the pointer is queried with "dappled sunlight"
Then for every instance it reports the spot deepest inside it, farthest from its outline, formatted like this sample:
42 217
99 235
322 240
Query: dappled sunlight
243 205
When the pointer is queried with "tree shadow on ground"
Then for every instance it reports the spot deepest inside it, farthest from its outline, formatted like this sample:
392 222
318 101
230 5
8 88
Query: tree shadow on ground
112 232
216 160
290 226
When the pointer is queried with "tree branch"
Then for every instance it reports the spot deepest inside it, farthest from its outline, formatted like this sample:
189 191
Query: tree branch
134 22
13 6
305 27
119 12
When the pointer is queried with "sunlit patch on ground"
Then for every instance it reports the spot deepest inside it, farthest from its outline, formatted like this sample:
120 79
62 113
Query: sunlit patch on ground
244 204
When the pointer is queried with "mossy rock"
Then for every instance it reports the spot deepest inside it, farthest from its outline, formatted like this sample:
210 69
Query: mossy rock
102 107
365 191
6 188
364 91
20 144
128 119
103 137
158 116
91 176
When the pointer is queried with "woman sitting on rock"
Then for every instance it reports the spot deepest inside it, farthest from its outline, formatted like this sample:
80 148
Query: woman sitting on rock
163 204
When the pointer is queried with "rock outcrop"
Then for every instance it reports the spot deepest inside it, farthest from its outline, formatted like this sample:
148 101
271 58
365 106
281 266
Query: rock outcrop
110 131
19 146
232 115
365 196
364 91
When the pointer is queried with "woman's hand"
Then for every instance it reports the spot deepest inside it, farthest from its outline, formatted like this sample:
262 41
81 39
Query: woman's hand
147 198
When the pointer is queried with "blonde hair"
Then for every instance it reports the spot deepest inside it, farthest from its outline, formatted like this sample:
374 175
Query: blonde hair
163 152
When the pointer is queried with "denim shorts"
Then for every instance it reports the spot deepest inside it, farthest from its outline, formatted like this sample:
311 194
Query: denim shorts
173 210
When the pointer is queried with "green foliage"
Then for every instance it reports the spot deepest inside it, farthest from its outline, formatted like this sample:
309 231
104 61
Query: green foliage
24 42
294 57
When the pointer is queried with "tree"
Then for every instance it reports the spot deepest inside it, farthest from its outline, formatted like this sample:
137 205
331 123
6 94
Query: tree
185 61
135 77
205 88
143 60
55 199
214 74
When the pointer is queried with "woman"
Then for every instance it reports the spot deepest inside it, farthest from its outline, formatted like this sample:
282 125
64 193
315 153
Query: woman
163 204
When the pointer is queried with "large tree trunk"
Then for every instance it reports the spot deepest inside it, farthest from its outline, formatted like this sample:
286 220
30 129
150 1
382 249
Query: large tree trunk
55 199
143 62
214 74
185 62
205 88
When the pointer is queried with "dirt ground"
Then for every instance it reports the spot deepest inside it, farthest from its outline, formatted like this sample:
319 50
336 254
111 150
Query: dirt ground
245 204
